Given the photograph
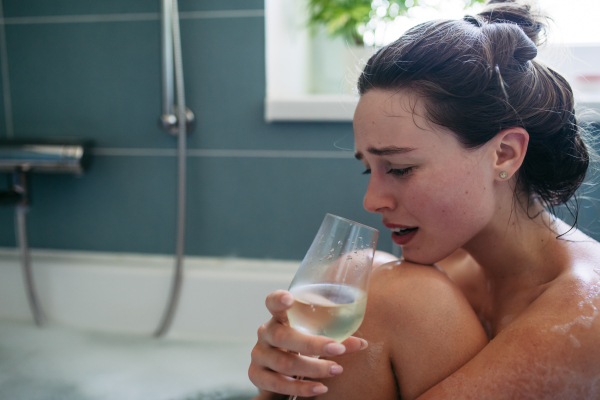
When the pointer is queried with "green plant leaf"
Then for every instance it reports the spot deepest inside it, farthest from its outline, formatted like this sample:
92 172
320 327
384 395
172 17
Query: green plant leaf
342 17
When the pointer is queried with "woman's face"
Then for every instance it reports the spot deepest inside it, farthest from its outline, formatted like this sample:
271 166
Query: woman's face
434 194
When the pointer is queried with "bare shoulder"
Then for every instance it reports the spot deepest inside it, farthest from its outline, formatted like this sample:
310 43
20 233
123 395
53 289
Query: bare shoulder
402 272
550 351
395 313
567 317
564 323
417 288
420 329
428 324
568 311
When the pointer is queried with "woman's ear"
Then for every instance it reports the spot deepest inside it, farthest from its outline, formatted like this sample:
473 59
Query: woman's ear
510 148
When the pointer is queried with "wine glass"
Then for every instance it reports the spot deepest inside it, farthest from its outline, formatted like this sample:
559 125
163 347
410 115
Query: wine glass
330 286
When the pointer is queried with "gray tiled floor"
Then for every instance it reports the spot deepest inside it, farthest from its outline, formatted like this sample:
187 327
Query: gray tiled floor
60 363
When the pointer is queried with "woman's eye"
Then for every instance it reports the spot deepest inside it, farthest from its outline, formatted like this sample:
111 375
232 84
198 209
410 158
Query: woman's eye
400 172
367 171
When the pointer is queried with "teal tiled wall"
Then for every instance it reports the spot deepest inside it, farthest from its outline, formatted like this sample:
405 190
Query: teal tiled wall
101 80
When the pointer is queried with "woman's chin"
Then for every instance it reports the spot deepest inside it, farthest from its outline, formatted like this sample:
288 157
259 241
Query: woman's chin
418 256
419 259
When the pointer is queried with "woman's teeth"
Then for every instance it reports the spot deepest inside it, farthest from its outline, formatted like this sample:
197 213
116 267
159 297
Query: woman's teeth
403 231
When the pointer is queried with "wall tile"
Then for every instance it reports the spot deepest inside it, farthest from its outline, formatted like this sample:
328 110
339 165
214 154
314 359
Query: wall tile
270 207
3 133
28 8
98 80
242 207
588 218
122 204
102 80
211 5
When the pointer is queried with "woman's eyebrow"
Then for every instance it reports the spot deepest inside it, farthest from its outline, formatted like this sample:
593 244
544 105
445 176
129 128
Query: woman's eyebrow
385 151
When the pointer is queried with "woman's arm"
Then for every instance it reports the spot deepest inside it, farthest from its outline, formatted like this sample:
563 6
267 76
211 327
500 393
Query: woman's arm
551 351
419 327
263 375
273 362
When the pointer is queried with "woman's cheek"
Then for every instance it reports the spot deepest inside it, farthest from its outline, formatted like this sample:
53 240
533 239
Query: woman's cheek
455 206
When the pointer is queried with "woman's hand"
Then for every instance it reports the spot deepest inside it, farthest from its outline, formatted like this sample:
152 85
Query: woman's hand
274 363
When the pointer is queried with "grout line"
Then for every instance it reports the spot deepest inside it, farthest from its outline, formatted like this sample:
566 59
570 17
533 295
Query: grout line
269 153
223 153
221 14
66 19
106 151
8 115
126 17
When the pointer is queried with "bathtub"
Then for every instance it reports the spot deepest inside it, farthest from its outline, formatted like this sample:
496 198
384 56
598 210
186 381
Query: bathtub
103 305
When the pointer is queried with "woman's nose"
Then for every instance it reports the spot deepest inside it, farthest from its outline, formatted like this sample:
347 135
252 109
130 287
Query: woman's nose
378 197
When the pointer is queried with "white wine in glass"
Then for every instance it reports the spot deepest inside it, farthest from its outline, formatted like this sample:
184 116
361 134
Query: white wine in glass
326 309
330 286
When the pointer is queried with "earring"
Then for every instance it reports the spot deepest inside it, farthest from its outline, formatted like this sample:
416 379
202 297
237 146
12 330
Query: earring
503 174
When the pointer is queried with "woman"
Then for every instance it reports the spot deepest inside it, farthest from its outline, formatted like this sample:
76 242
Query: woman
469 142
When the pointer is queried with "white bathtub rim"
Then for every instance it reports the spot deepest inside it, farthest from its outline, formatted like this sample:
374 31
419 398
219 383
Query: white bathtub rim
143 260
222 299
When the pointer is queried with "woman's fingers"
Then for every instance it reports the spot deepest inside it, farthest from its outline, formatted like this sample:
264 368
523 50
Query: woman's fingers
278 383
278 303
285 337
292 364
274 358
278 333
271 370
354 344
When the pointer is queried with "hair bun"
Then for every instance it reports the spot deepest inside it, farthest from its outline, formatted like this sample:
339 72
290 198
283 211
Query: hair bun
509 11
525 50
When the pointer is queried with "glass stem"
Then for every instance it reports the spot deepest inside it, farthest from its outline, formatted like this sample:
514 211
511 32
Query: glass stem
299 378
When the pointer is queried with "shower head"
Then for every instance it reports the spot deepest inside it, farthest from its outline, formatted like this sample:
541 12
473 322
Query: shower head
45 155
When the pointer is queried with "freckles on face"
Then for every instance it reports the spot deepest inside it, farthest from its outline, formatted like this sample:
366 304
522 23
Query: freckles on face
448 202
451 198
444 195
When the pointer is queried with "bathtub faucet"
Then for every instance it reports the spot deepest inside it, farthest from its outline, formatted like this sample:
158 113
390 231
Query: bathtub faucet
21 157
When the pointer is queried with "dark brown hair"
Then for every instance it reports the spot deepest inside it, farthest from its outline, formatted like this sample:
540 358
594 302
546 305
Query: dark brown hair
478 76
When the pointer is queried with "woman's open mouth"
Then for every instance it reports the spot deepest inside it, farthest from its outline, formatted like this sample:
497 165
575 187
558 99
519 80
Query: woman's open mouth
401 236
